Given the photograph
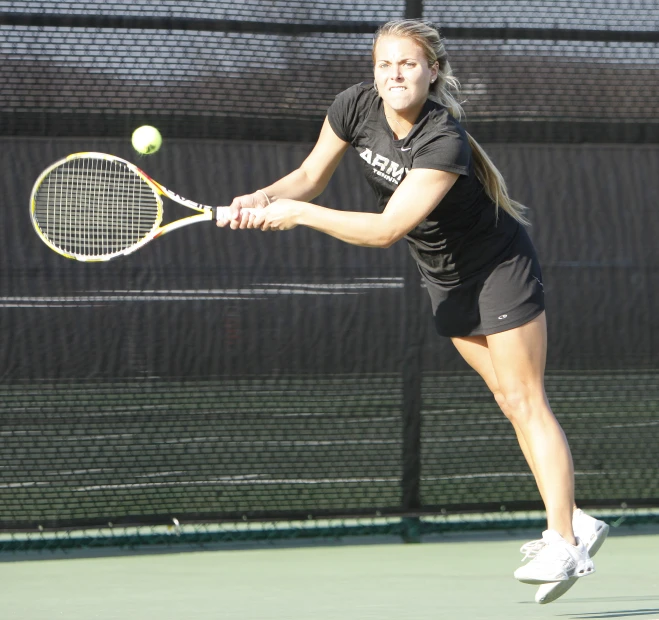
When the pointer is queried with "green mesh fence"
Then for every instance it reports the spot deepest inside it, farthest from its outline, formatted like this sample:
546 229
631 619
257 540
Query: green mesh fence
220 387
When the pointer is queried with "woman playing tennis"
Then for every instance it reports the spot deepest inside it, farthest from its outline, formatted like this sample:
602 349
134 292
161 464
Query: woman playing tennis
438 189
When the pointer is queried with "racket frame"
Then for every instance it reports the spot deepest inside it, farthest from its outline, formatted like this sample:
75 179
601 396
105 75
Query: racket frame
205 212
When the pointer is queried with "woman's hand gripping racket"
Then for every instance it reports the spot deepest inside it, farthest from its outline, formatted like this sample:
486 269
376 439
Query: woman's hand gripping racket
95 207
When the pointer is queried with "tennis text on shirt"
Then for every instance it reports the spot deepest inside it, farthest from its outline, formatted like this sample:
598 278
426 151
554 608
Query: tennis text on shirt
384 167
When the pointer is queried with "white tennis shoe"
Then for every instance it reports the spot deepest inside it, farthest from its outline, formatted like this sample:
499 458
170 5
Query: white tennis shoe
556 560
593 532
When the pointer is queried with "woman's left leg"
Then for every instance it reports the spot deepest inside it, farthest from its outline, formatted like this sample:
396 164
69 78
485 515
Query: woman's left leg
518 357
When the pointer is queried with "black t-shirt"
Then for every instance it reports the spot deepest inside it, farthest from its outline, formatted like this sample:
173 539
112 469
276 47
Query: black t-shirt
462 236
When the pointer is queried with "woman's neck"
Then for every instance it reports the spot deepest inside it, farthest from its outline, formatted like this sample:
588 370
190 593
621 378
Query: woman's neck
401 123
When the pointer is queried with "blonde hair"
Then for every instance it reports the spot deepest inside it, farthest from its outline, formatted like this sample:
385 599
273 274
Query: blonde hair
446 91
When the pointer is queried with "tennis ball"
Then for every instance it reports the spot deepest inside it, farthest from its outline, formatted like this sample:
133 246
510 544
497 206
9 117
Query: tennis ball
146 139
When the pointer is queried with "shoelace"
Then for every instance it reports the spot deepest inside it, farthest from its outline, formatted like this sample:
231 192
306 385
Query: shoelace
531 549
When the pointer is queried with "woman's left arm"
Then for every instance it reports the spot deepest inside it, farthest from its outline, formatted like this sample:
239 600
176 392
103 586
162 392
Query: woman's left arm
416 197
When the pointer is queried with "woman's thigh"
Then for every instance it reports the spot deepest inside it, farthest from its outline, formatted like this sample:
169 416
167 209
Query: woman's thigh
519 355
475 351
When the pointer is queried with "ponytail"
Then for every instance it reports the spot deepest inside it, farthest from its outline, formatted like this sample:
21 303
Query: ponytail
494 184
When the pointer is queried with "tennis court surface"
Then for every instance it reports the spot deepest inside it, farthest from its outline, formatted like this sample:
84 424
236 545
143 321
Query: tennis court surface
447 578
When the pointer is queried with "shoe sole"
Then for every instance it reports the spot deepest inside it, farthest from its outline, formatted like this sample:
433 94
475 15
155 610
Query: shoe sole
588 569
557 591
561 587
600 537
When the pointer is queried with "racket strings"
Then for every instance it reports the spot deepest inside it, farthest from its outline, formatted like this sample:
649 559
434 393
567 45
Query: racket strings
95 207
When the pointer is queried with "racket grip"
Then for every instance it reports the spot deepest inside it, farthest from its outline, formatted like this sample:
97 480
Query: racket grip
226 212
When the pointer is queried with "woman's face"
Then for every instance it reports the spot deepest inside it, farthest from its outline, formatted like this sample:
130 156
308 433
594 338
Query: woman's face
402 75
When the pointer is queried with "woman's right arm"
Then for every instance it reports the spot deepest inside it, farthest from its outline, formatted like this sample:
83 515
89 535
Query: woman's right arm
304 184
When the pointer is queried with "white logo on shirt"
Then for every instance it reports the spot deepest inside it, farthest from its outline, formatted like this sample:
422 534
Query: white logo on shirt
503 316
384 167
402 148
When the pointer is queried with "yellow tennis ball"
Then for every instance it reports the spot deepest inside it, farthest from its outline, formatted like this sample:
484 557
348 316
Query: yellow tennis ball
146 139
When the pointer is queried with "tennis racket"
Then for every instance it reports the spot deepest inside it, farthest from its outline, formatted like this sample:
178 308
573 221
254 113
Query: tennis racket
96 207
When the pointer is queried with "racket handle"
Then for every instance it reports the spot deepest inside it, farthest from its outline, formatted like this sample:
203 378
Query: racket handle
226 212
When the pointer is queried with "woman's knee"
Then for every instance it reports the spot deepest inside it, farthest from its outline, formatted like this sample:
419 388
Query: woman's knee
519 402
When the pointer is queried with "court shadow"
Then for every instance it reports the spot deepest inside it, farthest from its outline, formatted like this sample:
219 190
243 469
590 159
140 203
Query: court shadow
619 613
609 599
39 555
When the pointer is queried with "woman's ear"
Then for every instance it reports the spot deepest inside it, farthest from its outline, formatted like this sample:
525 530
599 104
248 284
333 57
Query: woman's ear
434 73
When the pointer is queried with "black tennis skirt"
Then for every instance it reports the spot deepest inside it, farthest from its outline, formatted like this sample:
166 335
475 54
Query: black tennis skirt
506 296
